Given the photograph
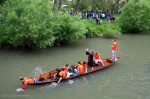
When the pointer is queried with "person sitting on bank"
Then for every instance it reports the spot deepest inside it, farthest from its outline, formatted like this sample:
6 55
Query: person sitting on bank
98 60
60 75
90 57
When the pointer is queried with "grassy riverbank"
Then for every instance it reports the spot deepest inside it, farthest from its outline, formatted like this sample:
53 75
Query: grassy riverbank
106 30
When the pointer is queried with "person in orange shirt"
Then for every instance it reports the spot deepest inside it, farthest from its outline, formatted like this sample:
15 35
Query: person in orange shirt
27 81
68 70
85 67
98 59
61 74
80 68
114 49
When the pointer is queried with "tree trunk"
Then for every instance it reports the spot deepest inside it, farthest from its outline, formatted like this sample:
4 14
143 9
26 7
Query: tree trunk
55 2
59 4
77 5
55 6
94 5
117 6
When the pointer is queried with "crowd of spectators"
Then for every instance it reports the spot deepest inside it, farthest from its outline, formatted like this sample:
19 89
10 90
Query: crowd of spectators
98 17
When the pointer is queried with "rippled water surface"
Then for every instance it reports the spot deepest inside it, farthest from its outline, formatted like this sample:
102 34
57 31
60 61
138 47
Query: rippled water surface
129 78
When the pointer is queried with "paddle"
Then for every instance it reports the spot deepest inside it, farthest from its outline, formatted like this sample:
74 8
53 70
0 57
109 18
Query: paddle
124 53
19 89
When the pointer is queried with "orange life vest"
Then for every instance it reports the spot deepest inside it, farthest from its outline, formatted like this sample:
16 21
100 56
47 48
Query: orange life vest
62 74
84 65
66 69
81 69
97 56
28 81
114 46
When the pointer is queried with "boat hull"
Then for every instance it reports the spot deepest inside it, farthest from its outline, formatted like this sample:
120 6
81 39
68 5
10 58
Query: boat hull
50 75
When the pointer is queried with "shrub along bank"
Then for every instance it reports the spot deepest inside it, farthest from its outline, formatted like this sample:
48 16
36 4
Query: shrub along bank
30 23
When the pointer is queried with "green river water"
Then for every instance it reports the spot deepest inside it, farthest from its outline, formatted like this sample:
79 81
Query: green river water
129 78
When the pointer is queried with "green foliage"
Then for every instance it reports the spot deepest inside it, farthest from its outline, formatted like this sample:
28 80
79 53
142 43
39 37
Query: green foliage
135 16
26 23
2 1
68 28
104 30
30 23
83 4
111 32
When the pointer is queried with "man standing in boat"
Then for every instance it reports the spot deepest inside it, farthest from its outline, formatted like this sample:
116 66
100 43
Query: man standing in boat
90 57
114 48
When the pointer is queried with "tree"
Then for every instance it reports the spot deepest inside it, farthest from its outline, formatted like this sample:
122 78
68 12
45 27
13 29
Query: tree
55 2
117 5
59 4
26 23
77 5
55 6
135 16
2 1
30 23
94 5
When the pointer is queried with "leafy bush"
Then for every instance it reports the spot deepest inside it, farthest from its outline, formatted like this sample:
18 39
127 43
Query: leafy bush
135 16
103 30
26 23
110 33
68 28
2 1
30 23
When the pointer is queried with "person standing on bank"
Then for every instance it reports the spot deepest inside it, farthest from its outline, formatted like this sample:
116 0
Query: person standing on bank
114 49
90 57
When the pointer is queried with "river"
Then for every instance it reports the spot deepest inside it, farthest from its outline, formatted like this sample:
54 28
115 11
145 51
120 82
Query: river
129 78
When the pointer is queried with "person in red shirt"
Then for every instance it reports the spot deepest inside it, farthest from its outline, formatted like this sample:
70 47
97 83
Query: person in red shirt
98 59
114 49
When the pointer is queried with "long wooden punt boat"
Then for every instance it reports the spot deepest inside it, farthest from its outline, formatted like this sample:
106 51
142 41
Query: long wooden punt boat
50 75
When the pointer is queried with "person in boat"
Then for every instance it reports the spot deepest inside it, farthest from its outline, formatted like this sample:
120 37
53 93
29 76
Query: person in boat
98 60
80 68
61 74
114 49
76 71
69 71
84 66
90 57
27 81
